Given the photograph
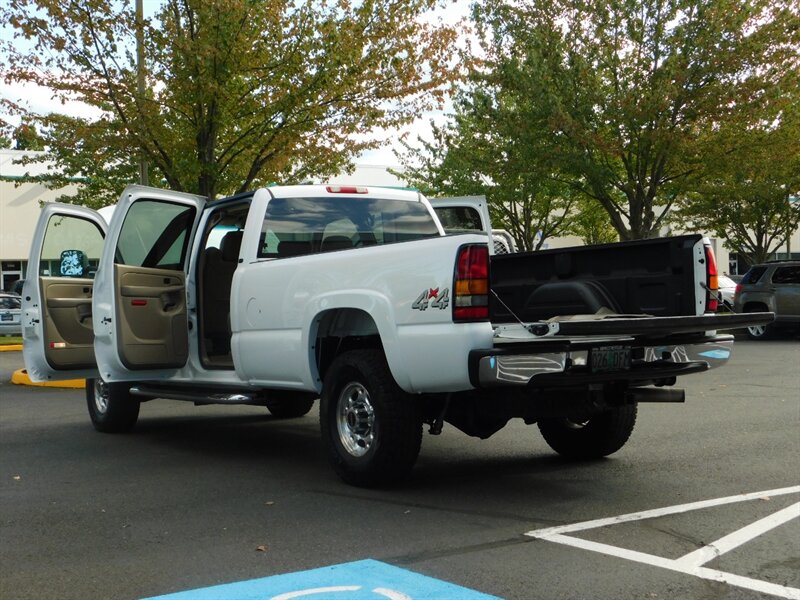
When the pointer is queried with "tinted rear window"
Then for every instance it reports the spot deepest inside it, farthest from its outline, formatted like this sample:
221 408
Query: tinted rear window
459 218
298 226
753 275
8 302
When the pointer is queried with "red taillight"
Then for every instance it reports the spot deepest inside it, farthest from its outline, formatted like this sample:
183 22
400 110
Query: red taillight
471 284
738 289
712 283
346 189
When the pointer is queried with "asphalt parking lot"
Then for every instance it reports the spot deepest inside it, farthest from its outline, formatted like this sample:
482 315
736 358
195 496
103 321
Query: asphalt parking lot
703 502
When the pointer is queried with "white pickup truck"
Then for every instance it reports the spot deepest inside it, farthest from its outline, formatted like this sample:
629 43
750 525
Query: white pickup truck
357 297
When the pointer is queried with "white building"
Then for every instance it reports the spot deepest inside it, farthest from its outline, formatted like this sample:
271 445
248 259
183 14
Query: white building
19 210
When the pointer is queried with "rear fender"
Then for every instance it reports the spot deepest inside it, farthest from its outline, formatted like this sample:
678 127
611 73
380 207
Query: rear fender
365 313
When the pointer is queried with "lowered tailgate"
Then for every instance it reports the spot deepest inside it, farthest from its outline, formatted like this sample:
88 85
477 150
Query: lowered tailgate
586 349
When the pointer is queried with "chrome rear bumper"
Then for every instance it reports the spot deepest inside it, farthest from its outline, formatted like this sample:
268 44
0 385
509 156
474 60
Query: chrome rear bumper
566 362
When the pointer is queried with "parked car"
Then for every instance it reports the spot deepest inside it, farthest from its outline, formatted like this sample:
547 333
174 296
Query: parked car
727 290
10 314
774 287
470 214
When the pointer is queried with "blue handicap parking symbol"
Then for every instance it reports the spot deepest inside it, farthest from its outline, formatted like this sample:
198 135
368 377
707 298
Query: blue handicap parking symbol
360 580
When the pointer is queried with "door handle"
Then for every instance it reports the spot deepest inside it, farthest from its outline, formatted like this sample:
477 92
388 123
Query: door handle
169 300
84 312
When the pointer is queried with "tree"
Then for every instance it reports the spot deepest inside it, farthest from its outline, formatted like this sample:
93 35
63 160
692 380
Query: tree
239 92
88 152
624 92
751 195
7 109
26 137
592 225
485 150
5 130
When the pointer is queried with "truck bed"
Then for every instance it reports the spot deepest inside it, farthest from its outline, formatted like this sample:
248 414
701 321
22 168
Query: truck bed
654 277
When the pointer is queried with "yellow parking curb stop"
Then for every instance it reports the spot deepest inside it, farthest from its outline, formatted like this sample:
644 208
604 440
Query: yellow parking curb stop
20 377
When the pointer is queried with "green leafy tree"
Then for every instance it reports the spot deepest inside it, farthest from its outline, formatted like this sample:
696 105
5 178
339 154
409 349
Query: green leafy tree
623 93
751 195
26 137
592 225
88 153
5 134
238 92
8 109
484 150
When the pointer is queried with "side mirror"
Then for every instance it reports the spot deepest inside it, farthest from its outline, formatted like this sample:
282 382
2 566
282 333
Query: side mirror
73 263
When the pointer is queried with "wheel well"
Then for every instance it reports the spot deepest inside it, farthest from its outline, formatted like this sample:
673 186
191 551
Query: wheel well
755 307
340 330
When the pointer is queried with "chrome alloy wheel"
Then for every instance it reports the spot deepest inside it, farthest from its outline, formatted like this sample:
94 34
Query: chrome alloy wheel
101 396
355 419
757 330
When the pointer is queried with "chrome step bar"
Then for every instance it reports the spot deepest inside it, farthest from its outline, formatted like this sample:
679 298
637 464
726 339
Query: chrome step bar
198 397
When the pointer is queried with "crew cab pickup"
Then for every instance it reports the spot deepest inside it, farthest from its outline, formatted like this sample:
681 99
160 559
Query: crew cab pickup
356 297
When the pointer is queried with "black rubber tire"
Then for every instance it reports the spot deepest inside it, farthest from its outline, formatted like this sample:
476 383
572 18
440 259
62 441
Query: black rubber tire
289 405
760 332
112 409
384 434
598 436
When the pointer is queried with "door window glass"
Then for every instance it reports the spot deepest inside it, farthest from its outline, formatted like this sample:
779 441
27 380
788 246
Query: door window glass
753 275
72 247
786 275
155 234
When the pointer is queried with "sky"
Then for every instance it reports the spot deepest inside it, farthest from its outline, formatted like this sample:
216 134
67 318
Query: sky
39 100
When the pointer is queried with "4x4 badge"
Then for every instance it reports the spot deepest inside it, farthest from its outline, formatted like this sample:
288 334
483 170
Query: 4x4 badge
433 297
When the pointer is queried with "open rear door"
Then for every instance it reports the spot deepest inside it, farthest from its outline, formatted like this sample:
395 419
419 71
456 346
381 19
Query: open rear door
57 294
141 321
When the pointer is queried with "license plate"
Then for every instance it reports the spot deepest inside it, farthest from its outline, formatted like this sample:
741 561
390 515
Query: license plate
610 358
7 317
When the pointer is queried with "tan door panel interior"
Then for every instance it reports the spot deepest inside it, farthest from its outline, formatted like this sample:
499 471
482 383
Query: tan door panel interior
151 313
68 332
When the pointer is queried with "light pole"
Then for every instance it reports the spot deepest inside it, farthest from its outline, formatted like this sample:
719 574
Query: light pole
144 177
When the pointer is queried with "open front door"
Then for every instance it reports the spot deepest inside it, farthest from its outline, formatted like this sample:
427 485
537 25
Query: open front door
141 321
57 293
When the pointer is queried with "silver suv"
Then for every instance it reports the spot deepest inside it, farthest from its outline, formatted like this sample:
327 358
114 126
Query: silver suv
10 314
773 287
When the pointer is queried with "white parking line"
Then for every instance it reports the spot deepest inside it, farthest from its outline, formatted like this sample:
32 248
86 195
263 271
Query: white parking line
660 512
739 537
690 564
